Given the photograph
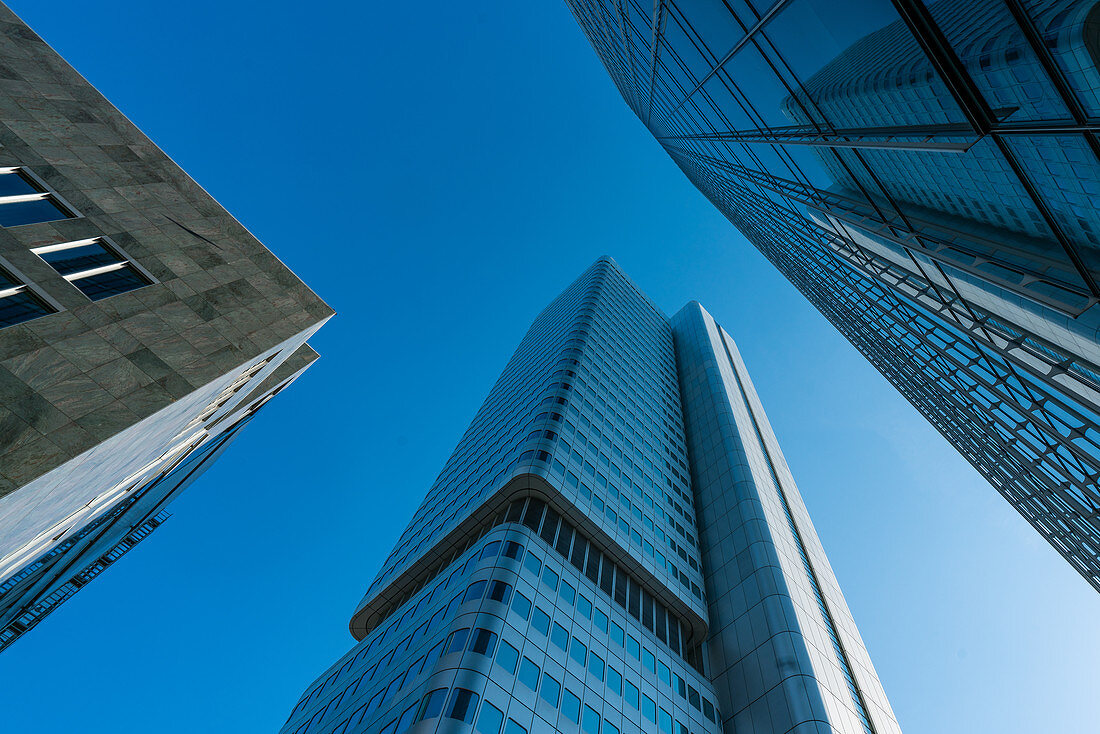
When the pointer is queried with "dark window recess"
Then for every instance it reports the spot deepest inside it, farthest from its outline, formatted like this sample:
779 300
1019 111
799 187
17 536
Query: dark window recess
433 704
24 201
463 705
17 303
93 267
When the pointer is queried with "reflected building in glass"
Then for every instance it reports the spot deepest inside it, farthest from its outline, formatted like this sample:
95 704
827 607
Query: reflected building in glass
141 326
616 546
927 174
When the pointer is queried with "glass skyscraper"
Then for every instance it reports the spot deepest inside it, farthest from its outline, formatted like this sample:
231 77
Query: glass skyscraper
616 546
927 174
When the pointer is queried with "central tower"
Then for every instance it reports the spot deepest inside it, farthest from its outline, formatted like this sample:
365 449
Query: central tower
616 545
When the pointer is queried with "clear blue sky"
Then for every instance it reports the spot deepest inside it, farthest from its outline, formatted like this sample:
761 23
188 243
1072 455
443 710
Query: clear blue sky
438 172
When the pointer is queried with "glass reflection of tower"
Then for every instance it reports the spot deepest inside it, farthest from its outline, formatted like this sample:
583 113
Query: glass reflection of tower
927 174
616 546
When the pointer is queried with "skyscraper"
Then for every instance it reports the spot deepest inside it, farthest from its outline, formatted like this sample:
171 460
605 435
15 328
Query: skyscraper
616 545
926 173
141 326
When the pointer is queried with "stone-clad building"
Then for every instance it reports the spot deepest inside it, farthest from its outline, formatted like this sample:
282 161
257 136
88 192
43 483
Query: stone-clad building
139 320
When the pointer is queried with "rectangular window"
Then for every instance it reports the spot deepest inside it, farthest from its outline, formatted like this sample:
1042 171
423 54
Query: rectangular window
559 636
25 200
541 621
578 651
631 694
507 657
595 666
591 723
94 266
571 706
17 302
550 690
490 719
463 705
614 680
529 674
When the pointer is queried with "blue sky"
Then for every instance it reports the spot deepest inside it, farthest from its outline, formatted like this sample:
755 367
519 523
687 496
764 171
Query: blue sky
438 172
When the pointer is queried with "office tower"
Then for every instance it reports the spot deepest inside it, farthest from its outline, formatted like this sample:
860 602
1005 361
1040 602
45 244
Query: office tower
926 174
616 545
140 327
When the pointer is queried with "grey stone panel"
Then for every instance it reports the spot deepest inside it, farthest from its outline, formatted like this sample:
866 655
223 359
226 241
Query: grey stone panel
94 368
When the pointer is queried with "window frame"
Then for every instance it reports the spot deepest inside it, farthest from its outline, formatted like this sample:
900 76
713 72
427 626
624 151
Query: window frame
26 285
45 193
125 260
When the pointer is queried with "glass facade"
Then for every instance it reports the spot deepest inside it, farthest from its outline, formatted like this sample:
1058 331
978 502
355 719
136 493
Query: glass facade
926 173
568 573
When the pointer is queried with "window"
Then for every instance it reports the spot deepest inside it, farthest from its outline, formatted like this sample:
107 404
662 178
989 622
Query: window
457 640
550 690
571 706
521 605
17 302
568 593
474 591
591 723
25 200
559 636
601 620
514 728
595 666
614 680
507 657
529 674
541 621
578 651
483 642
432 705
463 705
490 719
631 694
94 266
499 591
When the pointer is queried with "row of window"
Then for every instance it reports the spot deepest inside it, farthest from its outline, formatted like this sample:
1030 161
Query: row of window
485 453
622 450
499 591
95 266
495 590
551 691
609 485
482 642
540 621
574 547
410 544
601 481
618 585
